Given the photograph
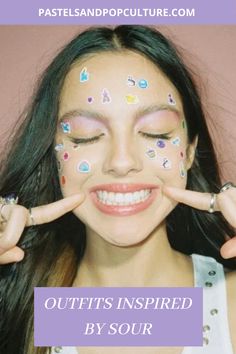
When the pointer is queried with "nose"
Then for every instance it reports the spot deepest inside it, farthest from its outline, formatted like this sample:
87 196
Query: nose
122 159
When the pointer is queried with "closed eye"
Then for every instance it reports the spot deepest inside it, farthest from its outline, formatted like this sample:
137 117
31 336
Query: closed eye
156 136
91 140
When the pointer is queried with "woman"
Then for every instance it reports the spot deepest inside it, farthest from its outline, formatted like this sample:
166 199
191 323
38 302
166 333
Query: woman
117 119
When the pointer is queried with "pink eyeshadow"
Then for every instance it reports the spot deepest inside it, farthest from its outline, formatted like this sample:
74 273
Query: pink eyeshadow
161 120
84 124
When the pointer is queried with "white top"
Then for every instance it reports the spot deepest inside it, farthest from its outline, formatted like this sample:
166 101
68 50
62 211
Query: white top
209 275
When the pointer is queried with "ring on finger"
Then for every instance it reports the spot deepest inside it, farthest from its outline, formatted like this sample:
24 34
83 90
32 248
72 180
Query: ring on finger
212 203
33 223
9 199
227 186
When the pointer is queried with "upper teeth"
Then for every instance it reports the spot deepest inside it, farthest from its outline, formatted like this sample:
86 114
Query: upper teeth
111 198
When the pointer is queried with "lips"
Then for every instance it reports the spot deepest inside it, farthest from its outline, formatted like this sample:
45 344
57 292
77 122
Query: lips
123 199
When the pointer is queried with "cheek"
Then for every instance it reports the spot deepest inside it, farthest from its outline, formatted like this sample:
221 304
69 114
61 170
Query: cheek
75 166
168 158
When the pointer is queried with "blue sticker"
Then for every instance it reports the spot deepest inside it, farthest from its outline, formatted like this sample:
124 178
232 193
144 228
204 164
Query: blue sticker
65 127
182 169
83 167
176 141
84 75
143 83
160 143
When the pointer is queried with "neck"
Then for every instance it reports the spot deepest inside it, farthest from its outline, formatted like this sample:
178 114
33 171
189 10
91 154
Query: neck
150 263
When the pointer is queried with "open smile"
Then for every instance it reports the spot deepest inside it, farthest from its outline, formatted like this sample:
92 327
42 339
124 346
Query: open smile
123 199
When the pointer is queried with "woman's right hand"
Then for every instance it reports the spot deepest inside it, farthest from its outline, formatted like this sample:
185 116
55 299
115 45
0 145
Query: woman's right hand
18 217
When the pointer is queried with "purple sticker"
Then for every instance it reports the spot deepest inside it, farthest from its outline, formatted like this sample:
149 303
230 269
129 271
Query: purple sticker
90 99
160 143
171 100
106 98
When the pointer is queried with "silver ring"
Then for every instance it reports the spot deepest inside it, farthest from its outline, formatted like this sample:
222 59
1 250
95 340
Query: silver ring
212 203
33 223
227 186
9 200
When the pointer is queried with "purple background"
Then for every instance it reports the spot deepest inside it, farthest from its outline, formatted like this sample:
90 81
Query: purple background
170 327
207 12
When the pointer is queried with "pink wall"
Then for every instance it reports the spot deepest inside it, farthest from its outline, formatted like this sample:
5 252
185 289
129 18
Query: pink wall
25 51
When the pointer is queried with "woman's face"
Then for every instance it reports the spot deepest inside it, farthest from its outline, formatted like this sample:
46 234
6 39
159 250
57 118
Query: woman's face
121 137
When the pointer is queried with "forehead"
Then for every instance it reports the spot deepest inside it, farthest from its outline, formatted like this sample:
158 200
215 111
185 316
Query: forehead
110 71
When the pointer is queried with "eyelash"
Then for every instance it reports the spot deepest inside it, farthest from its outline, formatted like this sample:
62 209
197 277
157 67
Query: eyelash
94 139
156 136
91 140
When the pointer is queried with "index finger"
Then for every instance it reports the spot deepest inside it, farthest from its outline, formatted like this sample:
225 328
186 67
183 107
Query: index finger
194 199
49 212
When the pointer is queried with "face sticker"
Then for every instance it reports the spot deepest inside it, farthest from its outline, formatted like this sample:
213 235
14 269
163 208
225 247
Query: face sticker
151 153
65 156
171 100
181 154
130 81
90 99
59 165
143 83
59 147
176 141
166 163
182 171
83 167
66 127
106 98
131 99
160 143
63 180
84 75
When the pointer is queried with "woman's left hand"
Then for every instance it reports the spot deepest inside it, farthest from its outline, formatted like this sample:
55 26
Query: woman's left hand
225 203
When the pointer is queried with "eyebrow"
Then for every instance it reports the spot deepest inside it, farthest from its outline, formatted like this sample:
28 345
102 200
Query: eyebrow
100 117
84 113
156 108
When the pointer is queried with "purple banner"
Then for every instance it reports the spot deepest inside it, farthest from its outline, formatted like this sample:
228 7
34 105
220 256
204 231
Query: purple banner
118 316
117 12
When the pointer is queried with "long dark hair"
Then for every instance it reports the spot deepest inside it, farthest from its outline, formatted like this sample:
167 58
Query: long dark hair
30 172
